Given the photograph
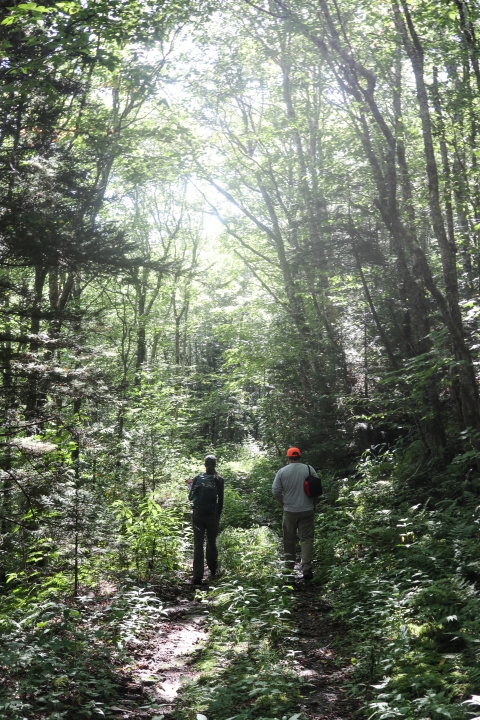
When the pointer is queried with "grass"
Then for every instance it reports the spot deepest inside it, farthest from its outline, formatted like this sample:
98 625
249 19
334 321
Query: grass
246 668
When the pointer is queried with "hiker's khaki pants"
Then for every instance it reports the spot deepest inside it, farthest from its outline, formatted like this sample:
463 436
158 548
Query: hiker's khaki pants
302 523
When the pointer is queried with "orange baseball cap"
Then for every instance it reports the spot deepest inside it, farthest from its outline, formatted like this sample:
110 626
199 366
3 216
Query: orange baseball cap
293 452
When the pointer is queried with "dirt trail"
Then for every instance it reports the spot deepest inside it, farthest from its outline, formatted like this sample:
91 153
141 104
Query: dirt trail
166 660
318 660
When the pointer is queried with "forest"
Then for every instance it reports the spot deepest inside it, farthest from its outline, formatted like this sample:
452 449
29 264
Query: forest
231 228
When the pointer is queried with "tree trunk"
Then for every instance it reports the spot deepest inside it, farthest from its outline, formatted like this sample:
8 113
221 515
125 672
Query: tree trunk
32 387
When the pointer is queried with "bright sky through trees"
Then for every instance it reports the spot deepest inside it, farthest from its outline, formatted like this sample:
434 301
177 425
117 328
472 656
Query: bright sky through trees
232 228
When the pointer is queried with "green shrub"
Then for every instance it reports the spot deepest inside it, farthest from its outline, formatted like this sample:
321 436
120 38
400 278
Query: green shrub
252 553
57 660
155 537
401 575
237 510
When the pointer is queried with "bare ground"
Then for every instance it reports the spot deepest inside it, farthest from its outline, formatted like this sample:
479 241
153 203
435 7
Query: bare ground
165 661
319 660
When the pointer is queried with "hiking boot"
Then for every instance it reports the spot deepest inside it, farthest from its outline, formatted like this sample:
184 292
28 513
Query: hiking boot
197 581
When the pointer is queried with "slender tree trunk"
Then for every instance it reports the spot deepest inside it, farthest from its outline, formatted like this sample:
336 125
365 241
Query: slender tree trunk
32 387
6 457
378 324
450 309
469 35
77 404
447 180
447 248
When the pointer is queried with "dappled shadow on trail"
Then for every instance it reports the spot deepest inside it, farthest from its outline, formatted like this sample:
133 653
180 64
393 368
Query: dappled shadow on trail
165 661
317 657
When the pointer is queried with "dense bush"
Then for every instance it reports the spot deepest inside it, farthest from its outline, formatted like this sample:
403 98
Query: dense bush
236 512
402 577
57 659
154 537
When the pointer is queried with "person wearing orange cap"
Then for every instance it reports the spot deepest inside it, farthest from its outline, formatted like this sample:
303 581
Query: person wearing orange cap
298 511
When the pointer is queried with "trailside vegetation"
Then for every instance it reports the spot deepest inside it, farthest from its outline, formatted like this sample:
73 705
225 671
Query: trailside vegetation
229 229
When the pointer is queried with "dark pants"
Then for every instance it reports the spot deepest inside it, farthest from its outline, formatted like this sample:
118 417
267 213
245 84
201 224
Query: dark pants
202 524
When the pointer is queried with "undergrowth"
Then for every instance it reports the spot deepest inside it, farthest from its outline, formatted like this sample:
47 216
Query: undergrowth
402 561
58 660
397 549
247 665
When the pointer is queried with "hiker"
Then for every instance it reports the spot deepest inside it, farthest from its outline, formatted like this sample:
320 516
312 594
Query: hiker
298 510
207 496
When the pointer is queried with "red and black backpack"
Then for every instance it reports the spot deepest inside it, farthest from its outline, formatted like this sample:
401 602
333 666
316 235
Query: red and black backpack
312 485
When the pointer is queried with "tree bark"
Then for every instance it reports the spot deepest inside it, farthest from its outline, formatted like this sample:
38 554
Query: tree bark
378 324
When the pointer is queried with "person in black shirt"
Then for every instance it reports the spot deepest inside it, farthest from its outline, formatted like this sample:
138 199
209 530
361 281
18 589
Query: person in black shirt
207 495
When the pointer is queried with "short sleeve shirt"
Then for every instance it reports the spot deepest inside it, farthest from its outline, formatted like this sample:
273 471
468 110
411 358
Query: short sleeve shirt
289 483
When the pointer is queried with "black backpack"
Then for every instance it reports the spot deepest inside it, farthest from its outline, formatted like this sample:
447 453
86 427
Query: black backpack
312 485
205 494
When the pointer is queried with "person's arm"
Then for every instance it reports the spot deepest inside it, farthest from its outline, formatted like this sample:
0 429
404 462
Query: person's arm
192 489
221 487
277 488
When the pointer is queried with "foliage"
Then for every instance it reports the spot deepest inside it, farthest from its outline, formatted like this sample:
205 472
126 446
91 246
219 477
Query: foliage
403 578
154 537
231 229
236 512
247 665
58 659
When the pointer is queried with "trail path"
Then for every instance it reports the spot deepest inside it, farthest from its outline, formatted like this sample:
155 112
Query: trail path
318 659
167 659
164 662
